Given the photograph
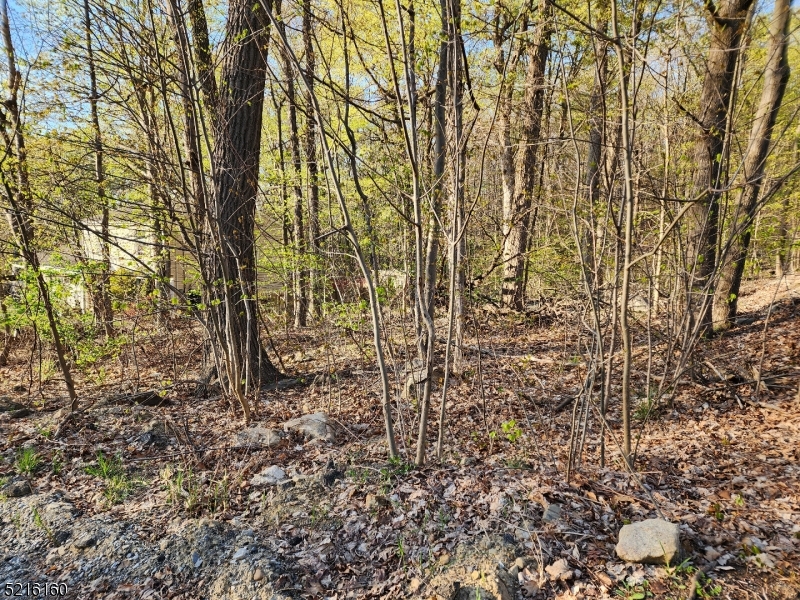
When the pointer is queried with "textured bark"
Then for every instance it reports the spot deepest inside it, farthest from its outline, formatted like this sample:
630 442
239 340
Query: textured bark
235 159
519 222
506 67
776 76
311 164
727 24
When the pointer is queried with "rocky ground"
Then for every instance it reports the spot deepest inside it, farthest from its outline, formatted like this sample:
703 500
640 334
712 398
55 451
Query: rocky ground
180 500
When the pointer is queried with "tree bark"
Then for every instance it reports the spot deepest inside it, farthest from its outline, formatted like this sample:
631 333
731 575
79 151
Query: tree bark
98 282
776 77
518 221
298 225
726 23
311 164
235 160
20 200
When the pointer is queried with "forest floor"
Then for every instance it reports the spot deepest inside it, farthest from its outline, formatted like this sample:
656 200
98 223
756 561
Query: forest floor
131 501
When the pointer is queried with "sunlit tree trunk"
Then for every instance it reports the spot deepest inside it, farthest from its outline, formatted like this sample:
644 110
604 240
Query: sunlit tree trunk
726 24
101 298
311 165
19 197
519 223
776 76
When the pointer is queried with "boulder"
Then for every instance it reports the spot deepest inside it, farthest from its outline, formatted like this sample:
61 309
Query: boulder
654 541
17 488
260 436
7 404
315 427
269 476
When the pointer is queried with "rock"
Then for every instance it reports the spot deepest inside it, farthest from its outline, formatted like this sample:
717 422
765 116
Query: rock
711 553
314 427
21 413
654 541
520 563
269 476
375 501
260 436
559 570
444 559
196 560
87 540
414 586
17 488
240 553
258 574
60 537
552 513
331 474
7 404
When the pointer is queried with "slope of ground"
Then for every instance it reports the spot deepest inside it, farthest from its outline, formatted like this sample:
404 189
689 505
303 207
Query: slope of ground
134 501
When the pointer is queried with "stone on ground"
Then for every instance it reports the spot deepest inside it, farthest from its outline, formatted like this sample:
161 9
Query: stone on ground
260 436
17 488
654 541
315 427
269 476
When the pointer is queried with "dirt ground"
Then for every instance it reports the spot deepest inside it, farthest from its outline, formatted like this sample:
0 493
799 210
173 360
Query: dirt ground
718 453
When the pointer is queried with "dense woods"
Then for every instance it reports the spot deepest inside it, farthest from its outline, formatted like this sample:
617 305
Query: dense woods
216 189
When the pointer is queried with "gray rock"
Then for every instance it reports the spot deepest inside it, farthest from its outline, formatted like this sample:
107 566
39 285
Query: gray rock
17 488
87 540
60 537
240 553
260 436
552 513
654 541
315 427
196 560
269 476
7 404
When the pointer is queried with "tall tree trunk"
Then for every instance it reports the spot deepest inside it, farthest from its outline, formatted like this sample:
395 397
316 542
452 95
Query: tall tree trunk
20 200
440 155
726 23
776 76
594 158
300 271
506 68
459 164
519 221
311 165
235 159
101 299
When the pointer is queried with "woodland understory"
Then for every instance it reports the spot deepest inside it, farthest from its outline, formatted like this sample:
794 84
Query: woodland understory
532 264
714 454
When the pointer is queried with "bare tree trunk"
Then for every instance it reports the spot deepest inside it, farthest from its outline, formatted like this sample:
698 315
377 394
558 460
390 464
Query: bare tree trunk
459 164
440 155
235 160
101 298
776 76
519 223
727 23
20 200
629 205
298 226
311 165
594 158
